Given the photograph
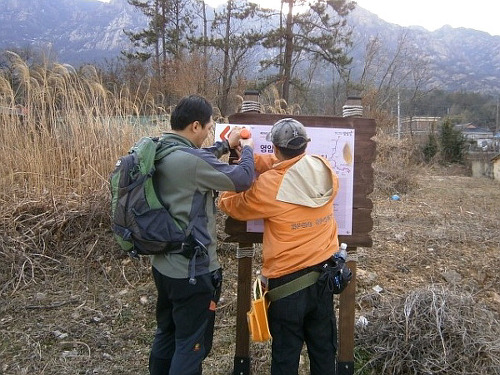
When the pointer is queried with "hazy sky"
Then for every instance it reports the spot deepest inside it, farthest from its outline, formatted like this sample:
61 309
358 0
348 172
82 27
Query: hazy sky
432 14
481 15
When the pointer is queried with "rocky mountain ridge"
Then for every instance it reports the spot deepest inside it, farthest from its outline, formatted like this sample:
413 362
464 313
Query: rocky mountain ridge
89 31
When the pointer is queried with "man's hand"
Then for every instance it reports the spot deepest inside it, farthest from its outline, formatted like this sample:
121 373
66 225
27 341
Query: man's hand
243 142
236 142
233 138
246 142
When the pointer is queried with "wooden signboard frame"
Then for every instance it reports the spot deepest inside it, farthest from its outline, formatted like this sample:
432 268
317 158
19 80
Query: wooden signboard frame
362 224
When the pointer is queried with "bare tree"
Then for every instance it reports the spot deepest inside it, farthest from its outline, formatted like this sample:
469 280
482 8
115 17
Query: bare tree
388 71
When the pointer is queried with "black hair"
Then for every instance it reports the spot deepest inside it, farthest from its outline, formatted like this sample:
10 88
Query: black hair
190 109
289 153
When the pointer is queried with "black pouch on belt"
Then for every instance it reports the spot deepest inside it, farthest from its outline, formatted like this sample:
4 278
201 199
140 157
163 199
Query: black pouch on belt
335 275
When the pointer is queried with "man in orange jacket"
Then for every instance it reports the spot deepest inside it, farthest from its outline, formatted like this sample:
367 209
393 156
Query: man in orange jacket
294 195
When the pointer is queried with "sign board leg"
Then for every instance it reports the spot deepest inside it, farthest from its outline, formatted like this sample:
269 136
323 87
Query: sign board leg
345 355
242 352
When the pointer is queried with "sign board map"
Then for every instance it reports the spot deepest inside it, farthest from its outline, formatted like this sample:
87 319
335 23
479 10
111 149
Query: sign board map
334 144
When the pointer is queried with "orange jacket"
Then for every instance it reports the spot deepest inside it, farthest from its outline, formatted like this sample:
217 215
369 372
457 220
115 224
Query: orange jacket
295 199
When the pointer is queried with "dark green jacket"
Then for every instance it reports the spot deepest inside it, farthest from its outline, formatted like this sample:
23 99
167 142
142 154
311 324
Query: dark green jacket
187 179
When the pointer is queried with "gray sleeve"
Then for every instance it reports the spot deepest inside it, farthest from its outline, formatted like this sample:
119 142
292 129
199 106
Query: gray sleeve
216 175
219 148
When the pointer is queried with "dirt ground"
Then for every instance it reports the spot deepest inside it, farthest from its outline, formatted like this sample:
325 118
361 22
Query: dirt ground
72 304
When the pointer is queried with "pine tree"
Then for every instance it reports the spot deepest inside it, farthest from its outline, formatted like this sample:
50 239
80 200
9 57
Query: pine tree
319 33
170 21
233 39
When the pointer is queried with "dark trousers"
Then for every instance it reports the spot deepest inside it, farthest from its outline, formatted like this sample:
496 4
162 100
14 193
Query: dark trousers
305 316
185 316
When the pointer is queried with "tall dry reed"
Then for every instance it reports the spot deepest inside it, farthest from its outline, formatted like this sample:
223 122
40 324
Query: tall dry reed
69 132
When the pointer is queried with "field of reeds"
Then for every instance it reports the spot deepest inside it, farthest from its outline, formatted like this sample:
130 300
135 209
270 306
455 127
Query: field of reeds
428 291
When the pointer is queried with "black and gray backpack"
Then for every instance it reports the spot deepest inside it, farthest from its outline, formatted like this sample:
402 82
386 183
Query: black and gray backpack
141 224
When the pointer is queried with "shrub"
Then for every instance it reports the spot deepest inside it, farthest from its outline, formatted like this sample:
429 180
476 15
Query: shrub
452 144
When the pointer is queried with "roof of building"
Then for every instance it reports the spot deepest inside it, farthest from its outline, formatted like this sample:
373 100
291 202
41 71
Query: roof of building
470 128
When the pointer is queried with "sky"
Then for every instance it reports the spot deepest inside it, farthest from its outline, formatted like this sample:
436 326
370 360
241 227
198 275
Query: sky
483 15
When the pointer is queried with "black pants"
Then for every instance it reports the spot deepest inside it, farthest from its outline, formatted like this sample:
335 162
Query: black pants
305 316
185 316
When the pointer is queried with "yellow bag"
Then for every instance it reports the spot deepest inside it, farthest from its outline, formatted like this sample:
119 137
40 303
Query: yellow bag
258 325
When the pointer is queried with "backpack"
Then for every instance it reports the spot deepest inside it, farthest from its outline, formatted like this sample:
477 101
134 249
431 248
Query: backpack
141 224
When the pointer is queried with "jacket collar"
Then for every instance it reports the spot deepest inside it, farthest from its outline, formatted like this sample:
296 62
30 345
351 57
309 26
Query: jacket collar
287 163
173 137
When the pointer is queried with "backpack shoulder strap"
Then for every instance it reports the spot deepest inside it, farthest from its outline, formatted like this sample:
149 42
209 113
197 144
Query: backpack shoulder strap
164 148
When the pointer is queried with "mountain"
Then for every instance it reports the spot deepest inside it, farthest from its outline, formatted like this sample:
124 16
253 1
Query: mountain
459 58
89 31
77 31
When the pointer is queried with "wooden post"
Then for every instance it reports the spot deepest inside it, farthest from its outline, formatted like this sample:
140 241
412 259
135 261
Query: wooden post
245 254
345 355
347 306
243 302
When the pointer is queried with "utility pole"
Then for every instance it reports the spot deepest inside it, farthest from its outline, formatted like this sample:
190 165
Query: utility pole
497 128
399 117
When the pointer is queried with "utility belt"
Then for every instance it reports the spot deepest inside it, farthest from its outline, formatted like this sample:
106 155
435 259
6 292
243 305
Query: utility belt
286 285
332 273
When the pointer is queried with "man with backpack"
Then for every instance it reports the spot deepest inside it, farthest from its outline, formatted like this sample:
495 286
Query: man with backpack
188 280
294 195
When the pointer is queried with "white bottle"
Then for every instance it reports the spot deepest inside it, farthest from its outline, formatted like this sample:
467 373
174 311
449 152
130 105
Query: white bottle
343 251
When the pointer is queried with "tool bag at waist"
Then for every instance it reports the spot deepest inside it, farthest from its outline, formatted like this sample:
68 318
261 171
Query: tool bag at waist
334 273
258 324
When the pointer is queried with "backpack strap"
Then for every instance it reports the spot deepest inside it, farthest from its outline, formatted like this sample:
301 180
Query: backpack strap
199 209
164 149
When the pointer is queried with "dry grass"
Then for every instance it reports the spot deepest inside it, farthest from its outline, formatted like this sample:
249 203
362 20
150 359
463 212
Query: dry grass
72 132
72 303
433 330
273 103
435 257
396 166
